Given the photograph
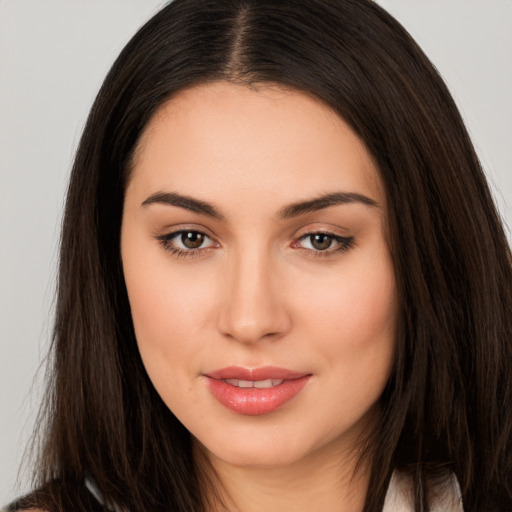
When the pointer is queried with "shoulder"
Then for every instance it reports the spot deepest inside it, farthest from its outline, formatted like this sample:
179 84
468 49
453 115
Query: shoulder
24 504
400 495
26 510
58 496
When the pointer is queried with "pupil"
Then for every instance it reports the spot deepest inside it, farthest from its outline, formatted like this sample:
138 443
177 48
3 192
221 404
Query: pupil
321 242
192 240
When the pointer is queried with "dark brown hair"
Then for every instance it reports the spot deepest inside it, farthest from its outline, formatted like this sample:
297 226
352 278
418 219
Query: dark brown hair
446 406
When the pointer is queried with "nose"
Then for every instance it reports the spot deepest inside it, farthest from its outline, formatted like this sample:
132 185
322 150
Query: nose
253 304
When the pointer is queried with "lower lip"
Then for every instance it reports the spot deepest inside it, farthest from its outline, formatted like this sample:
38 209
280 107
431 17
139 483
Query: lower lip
255 401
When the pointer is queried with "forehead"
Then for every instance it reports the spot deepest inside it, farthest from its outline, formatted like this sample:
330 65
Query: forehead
223 137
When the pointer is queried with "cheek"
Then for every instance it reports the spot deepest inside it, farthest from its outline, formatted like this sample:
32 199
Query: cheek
160 305
355 328
353 321
357 307
172 311
169 311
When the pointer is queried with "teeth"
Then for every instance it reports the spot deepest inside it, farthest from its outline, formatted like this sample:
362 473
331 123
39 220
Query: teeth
269 383
260 384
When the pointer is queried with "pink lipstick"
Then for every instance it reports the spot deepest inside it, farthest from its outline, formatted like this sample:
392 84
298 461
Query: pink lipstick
257 391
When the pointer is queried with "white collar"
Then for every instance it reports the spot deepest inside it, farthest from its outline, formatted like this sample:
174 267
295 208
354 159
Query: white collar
400 498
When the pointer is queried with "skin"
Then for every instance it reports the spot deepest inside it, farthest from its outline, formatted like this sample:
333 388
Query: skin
257 292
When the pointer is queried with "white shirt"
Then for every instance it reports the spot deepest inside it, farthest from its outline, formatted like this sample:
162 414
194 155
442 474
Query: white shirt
400 496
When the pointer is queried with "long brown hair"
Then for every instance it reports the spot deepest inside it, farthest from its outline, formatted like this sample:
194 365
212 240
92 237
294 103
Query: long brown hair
447 405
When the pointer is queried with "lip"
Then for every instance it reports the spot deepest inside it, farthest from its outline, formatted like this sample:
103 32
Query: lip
261 373
255 401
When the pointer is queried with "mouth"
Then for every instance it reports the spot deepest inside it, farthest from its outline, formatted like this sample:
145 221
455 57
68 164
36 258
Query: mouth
254 392
260 384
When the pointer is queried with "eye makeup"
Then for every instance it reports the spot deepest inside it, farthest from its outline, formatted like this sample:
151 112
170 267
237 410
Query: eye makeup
190 243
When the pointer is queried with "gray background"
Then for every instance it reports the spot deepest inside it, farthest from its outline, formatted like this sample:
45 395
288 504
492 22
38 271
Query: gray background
53 57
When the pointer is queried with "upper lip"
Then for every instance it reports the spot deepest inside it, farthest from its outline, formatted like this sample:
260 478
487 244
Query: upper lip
255 374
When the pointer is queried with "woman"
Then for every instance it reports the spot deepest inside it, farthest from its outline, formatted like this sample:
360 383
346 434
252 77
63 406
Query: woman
283 282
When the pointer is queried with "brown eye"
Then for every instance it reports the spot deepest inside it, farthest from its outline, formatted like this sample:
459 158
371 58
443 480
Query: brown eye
185 243
324 244
192 239
320 241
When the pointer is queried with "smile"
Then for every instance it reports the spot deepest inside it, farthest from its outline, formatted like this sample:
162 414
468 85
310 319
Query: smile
254 392
260 384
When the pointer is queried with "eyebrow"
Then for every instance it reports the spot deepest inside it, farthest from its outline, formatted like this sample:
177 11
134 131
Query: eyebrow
324 201
290 211
186 202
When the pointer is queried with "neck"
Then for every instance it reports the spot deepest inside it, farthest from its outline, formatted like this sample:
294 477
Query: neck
326 480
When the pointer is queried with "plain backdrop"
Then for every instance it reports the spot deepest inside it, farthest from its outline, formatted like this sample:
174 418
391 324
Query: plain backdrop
53 57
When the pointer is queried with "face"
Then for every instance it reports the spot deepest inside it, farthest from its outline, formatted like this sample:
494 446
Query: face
260 282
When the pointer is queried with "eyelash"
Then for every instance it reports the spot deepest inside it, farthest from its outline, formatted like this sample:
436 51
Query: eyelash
345 243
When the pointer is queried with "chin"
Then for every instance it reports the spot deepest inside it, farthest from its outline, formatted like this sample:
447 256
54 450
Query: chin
259 450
